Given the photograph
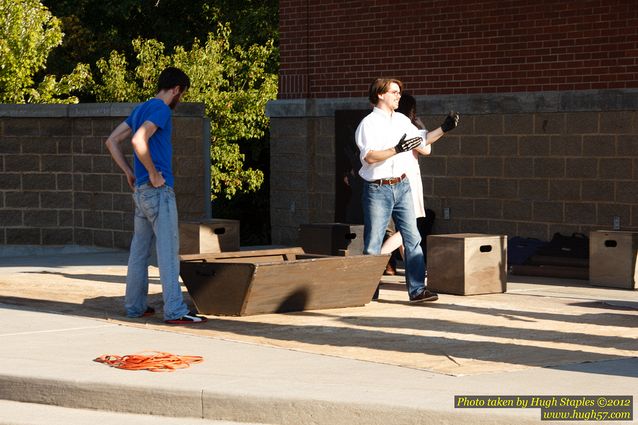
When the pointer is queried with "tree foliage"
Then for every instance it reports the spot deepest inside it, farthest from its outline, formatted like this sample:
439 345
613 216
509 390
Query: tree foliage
98 26
231 81
233 72
28 33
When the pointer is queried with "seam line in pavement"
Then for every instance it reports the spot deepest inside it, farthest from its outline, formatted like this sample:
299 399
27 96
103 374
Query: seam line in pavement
55 330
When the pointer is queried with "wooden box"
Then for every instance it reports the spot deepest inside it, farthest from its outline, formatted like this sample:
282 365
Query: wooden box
467 263
612 259
279 280
331 238
213 235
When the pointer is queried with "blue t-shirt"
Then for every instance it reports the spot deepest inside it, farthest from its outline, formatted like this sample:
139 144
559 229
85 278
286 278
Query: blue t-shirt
159 145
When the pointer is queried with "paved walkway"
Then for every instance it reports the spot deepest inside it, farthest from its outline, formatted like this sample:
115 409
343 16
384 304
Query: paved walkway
385 363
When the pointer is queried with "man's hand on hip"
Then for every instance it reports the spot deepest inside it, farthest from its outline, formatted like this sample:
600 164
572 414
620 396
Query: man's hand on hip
157 179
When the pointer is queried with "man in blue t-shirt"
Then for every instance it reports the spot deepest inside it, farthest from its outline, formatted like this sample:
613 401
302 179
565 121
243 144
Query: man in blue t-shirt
152 183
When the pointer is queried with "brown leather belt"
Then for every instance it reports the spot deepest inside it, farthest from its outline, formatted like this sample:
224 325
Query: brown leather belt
391 180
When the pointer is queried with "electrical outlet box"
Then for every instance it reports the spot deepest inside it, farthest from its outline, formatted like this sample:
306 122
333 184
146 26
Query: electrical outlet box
616 222
446 213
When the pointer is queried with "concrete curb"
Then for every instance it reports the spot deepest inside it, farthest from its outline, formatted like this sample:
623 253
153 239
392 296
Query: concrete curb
242 408
18 413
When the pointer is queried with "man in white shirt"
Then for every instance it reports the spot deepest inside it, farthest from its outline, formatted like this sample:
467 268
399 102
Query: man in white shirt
385 140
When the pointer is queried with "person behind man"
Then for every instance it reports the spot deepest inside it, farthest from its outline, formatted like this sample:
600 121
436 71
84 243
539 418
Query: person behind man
155 207
407 106
385 140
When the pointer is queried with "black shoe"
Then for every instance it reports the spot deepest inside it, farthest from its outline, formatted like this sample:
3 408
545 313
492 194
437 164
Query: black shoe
423 296
149 312
187 319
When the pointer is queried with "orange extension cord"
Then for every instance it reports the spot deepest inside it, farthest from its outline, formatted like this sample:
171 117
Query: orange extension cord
154 361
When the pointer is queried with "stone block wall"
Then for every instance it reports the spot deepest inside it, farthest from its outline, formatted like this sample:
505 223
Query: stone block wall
519 164
302 180
59 185
535 174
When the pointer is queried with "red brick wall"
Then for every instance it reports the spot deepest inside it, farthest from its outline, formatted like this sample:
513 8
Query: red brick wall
334 48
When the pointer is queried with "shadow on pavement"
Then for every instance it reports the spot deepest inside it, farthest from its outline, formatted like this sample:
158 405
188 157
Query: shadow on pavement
102 278
456 341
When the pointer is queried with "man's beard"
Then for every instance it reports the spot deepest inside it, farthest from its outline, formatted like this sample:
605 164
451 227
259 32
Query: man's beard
175 100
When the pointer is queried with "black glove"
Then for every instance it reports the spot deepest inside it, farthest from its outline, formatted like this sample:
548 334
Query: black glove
407 145
451 121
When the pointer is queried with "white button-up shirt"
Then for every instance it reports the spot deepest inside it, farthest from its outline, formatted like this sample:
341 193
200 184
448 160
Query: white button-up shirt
380 130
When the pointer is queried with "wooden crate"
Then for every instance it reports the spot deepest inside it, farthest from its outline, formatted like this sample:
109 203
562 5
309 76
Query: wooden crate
331 238
278 280
612 259
213 235
467 263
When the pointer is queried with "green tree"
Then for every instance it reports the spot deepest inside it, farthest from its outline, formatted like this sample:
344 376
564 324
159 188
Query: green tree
232 82
28 33
95 27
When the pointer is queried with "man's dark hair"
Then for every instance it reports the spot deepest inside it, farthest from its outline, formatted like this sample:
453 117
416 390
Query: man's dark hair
172 77
381 86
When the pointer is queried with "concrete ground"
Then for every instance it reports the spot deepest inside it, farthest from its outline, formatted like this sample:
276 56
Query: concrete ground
384 363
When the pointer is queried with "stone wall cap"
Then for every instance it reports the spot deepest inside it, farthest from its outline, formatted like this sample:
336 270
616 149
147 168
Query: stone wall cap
313 107
82 110
475 104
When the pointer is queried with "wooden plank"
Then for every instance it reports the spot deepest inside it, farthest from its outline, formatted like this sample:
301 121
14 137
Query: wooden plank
288 252
235 286
217 288
253 260
311 284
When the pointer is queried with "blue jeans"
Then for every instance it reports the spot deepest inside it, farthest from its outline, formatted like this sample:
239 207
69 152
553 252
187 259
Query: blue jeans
155 220
379 203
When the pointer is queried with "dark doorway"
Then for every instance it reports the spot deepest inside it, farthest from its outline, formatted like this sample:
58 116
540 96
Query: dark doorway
347 181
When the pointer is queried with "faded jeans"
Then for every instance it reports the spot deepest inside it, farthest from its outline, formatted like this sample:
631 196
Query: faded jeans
155 220
380 202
